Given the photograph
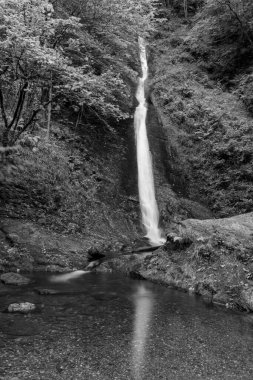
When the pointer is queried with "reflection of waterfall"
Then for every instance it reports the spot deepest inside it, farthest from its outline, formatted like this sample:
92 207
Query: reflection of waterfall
149 209
143 312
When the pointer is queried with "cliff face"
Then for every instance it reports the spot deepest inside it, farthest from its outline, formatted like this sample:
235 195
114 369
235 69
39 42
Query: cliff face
170 172
207 126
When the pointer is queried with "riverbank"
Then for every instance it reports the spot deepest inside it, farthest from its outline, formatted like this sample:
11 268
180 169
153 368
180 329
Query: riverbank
212 259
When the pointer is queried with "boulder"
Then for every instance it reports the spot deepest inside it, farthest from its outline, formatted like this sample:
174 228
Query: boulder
14 279
234 231
22 307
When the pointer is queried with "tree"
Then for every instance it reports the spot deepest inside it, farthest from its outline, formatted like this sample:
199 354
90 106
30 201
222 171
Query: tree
29 53
76 53
223 36
183 7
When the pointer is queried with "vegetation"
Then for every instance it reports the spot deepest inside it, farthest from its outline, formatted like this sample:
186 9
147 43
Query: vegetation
56 54
67 71
203 75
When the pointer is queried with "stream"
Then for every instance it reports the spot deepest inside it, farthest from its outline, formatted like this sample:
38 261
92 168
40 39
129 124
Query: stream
105 327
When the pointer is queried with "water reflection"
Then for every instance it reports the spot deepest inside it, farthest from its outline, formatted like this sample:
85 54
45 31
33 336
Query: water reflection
143 300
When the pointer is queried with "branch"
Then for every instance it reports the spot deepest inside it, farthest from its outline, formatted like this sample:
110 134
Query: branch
3 109
20 104
244 31
31 120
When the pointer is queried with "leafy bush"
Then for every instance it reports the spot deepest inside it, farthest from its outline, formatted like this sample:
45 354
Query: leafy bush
222 35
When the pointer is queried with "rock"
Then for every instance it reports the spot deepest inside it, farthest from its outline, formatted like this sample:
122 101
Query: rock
23 307
220 297
46 292
235 231
178 241
104 268
247 298
202 240
14 279
14 238
93 264
170 236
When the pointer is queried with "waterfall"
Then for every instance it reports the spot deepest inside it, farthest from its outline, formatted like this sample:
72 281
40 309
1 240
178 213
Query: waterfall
149 209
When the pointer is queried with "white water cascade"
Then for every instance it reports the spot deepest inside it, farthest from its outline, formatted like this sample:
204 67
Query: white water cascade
149 209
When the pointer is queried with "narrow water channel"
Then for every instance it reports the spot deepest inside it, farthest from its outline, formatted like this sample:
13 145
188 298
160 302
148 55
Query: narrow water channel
105 327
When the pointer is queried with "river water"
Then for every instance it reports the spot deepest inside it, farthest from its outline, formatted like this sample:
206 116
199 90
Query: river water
105 327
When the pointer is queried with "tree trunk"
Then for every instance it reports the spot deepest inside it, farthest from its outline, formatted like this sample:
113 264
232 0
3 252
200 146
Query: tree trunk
186 9
49 109
5 140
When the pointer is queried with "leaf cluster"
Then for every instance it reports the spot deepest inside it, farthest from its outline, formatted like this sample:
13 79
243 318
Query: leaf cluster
82 52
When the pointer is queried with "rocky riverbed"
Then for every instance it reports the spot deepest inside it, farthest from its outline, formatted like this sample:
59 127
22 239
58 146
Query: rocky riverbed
212 258
109 327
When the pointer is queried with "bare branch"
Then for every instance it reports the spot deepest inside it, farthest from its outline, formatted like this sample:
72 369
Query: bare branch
3 112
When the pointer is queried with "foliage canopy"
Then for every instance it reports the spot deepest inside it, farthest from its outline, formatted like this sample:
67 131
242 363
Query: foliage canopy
79 52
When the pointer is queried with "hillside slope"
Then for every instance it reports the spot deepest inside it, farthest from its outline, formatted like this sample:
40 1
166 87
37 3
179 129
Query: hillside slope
207 122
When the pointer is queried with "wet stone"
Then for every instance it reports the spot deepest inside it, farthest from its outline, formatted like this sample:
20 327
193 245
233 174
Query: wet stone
14 279
46 292
23 307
